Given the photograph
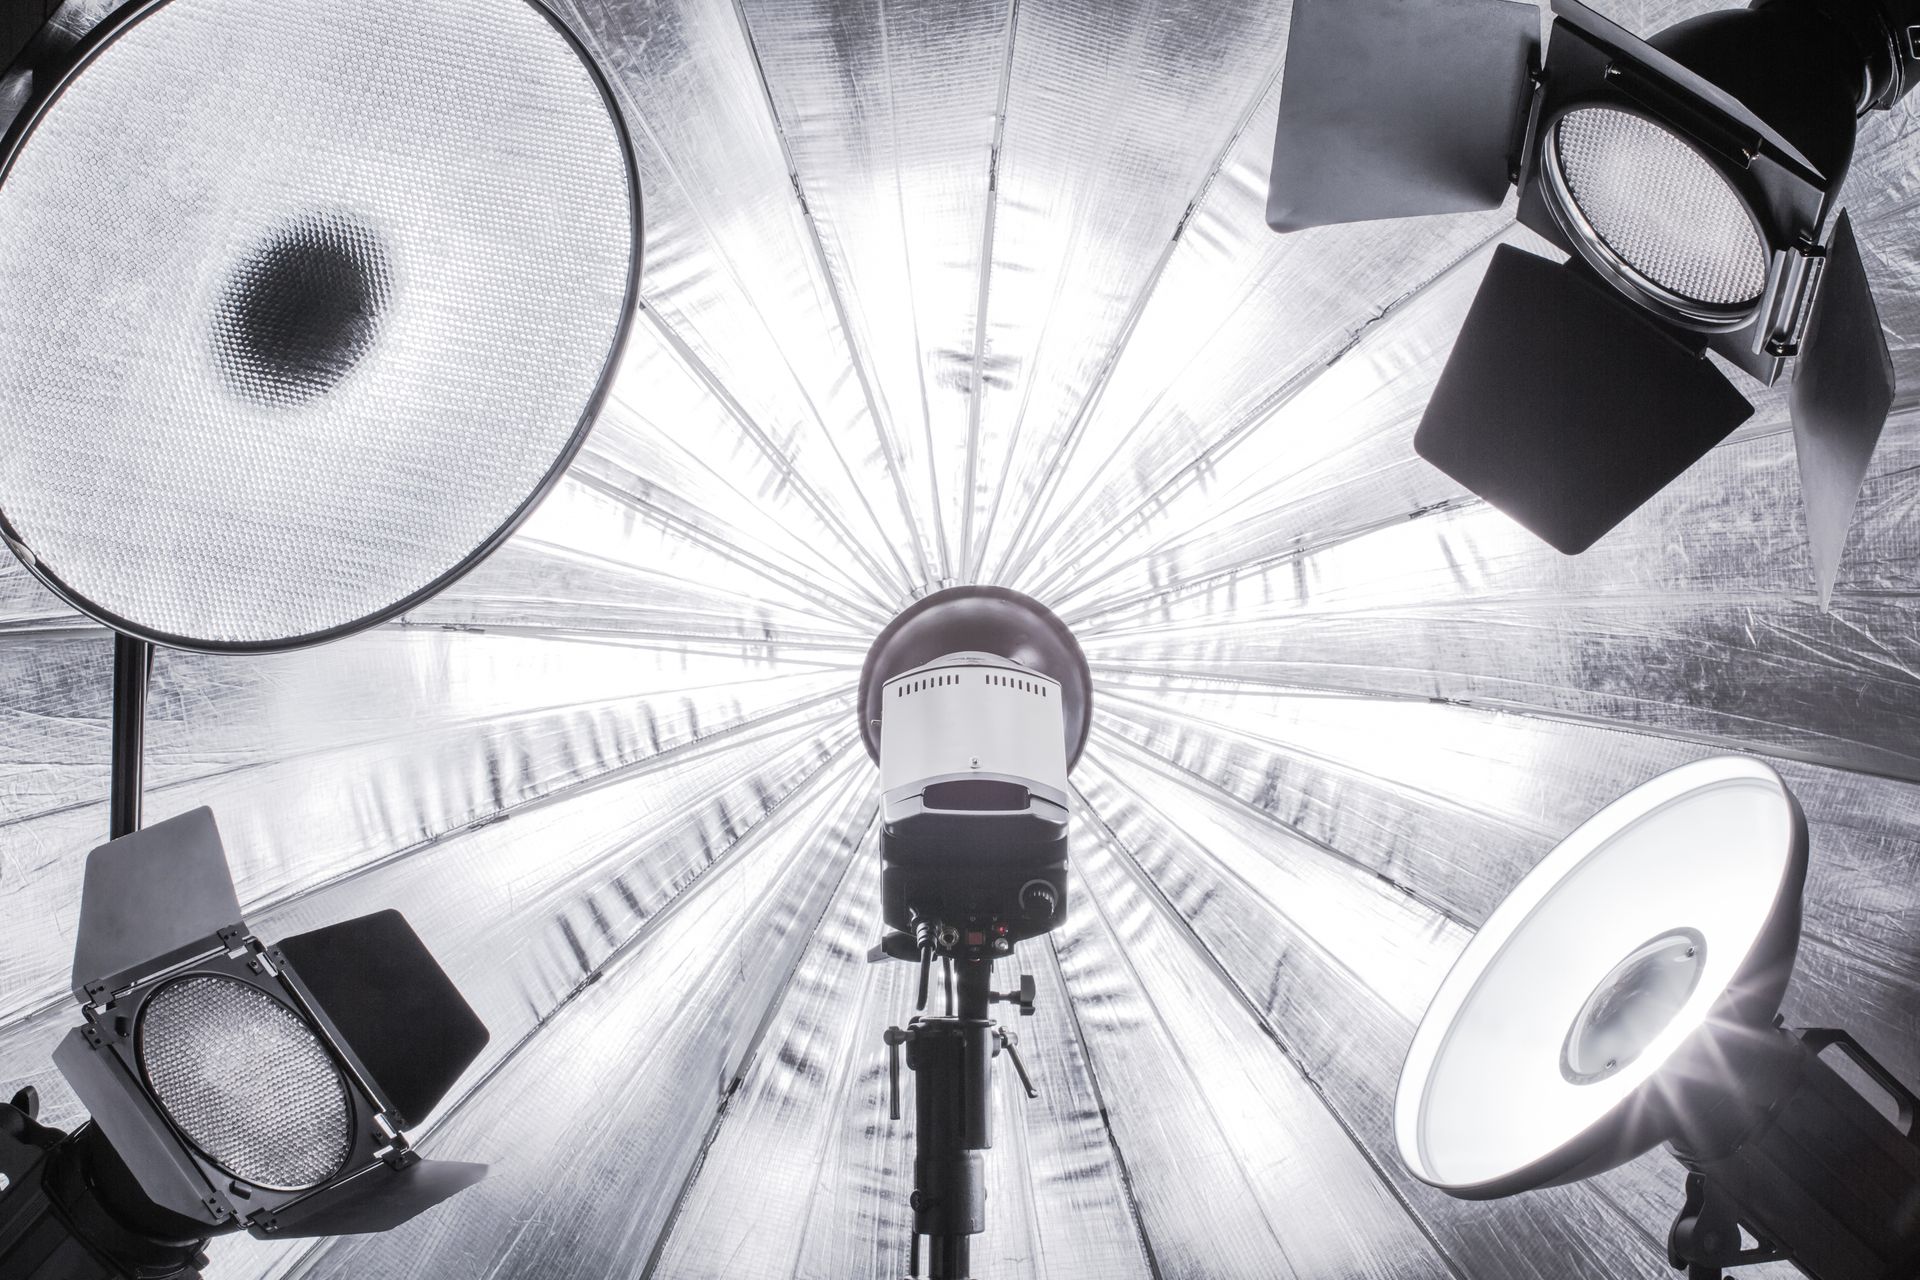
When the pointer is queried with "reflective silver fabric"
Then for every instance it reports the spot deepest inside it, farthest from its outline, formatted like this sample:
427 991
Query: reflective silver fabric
946 290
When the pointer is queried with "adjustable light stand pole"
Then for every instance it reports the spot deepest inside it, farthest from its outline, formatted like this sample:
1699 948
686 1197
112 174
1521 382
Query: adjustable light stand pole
951 1058
132 669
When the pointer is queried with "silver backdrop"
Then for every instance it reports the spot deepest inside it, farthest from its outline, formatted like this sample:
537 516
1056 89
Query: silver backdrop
957 290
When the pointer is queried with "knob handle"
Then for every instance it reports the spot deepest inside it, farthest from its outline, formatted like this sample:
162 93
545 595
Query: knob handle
1039 899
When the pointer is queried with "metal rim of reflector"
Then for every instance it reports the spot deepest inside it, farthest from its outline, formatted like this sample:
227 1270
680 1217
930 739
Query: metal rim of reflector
1599 251
235 1087
414 590
1716 850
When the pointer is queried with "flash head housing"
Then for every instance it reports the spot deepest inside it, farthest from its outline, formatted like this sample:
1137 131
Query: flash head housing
979 619
973 796
178 995
975 702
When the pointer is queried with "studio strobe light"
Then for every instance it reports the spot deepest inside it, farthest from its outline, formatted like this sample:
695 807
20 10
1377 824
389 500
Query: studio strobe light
1624 995
305 306
1692 178
975 701
232 1083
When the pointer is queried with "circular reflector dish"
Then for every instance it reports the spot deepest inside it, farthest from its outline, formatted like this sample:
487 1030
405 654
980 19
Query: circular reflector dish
246 1081
1601 965
1656 211
304 306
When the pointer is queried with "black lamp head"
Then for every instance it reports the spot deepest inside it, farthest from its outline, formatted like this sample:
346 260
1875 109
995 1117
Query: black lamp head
244 1083
979 619
1694 171
1693 179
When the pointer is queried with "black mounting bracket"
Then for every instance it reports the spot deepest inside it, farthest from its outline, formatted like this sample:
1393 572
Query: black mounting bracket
1705 1239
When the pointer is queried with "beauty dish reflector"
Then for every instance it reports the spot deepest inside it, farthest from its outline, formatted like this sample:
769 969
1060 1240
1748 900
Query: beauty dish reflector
304 306
1667 918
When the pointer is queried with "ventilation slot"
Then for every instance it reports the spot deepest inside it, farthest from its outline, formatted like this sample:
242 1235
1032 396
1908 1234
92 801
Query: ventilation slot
977 795
930 682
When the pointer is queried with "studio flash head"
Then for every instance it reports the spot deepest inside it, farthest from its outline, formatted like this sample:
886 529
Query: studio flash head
232 1083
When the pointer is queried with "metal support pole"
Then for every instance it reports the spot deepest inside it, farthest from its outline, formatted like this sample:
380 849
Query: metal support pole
951 1058
132 666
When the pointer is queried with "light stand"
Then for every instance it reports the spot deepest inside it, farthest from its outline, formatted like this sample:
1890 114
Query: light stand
974 701
132 669
951 1058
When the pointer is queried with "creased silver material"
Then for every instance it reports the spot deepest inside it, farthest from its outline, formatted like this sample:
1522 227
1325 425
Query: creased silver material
1338 966
941 289
1265 1180
809 1131
621 1091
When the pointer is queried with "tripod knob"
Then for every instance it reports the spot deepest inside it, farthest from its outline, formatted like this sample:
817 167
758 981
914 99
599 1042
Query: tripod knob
895 1037
1023 997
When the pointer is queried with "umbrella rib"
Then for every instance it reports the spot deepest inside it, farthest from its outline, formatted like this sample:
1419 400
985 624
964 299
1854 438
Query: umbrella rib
693 749
1299 550
1016 558
1211 788
647 928
977 370
1907 771
709 380
929 453
1209 456
1106 1122
638 122
725 1108
1126 963
1184 928
720 546
832 285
